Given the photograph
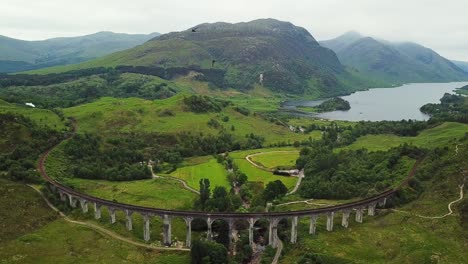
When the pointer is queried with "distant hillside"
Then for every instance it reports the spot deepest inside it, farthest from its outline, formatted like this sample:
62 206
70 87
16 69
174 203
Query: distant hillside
288 58
461 64
20 55
393 62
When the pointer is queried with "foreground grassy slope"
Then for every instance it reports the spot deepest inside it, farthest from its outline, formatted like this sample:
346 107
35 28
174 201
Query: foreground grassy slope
31 233
110 115
430 138
21 211
401 236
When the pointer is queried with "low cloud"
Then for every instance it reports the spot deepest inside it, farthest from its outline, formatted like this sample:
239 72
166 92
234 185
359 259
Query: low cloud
440 25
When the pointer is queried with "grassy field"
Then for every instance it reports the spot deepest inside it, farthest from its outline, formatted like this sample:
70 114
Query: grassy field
21 210
162 193
318 122
255 174
133 114
274 159
63 242
203 167
42 116
431 138
32 233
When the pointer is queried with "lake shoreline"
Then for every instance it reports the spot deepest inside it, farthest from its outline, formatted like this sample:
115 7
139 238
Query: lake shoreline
377 104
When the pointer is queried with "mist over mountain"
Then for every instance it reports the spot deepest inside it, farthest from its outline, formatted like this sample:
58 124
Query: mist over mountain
461 64
393 62
20 55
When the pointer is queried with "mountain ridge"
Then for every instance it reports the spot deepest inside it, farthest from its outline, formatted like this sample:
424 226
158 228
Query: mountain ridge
288 57
401 62
20 55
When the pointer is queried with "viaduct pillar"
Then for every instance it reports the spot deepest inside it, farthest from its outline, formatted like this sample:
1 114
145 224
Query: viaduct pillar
146 227
112 214
84 205
294 229
167 230
97 211
251 230
209 234
188 237
273 232
128 220
330 221
359 213
231 229
63 196
345 219
72 201
313 224
371 209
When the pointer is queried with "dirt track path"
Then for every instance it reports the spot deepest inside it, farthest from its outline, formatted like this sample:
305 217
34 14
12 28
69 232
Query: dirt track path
299 176
449 206
184 183
442 216
103 230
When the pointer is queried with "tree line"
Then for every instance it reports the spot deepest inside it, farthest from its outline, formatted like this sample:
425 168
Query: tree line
22 141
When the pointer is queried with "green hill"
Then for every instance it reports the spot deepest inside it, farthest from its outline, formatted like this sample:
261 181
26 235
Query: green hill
288 58
112 115
393 62
20 55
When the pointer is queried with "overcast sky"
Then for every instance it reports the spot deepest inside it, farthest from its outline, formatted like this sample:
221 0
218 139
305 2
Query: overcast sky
440 25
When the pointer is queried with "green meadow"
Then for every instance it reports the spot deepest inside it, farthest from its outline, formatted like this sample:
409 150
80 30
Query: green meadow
255 174
43 117
203 167
274 159
430 138
108 115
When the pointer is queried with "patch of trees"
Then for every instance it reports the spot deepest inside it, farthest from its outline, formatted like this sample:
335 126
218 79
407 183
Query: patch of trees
334 104
204 104
48 79
451 108
88 89
218 201
113 160
242 110
22 142
236 177
348 174
203 252
274 190
336 135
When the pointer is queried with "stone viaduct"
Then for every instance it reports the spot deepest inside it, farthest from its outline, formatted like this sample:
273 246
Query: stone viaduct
75 198
83 201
